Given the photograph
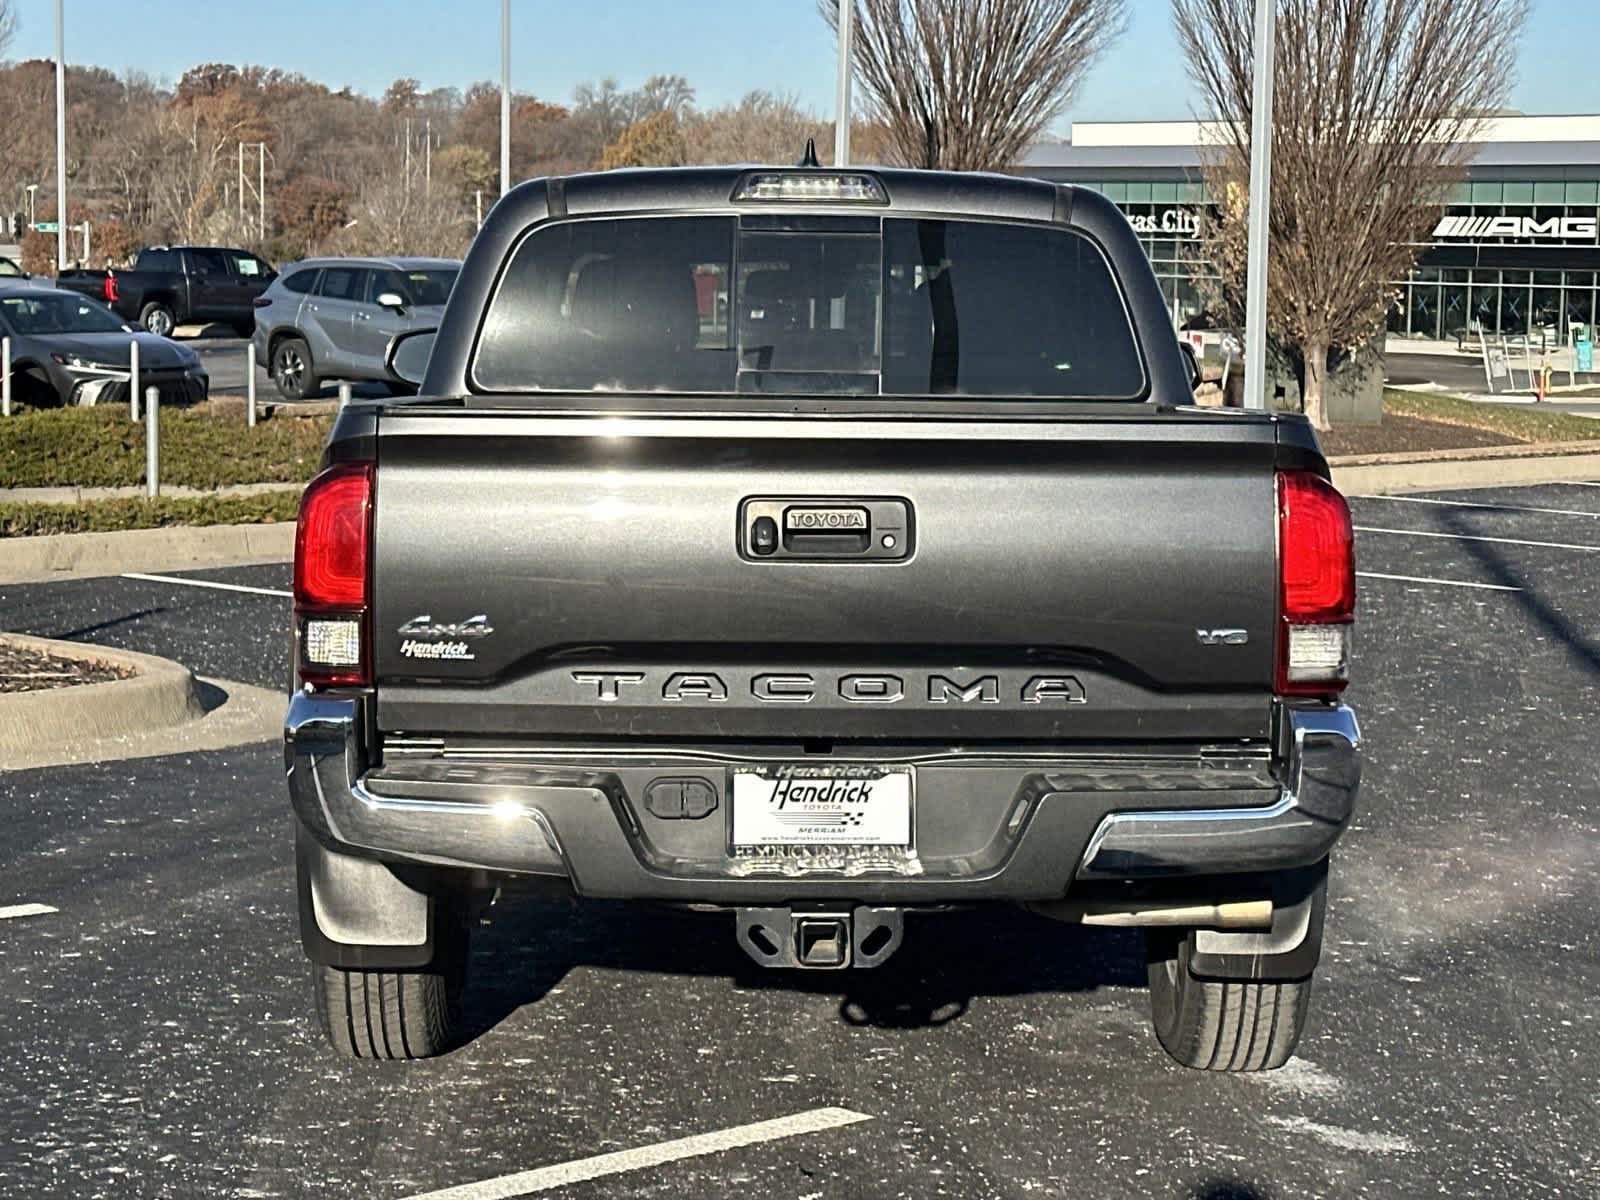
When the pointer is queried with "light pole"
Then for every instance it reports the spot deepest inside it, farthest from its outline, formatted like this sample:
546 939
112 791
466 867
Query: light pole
1255 303
841 110
505 96
61 140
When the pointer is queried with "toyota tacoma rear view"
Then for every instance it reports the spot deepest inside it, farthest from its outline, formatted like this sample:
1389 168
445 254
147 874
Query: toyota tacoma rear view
822 550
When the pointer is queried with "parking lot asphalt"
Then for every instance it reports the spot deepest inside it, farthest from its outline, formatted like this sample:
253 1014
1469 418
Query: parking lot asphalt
158 1037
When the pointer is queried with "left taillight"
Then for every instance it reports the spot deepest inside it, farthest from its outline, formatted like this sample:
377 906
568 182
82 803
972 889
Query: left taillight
332 577
1317 586
109 288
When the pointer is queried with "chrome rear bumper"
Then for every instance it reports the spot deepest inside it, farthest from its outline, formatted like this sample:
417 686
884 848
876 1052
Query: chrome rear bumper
1063 825
1321 779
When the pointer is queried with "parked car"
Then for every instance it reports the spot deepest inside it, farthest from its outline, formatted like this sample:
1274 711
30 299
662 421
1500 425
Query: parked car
180 285
10 268
69 349
912 579
333 318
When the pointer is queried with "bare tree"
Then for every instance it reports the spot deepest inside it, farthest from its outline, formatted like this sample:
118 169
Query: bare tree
1377 102
761 128
966 85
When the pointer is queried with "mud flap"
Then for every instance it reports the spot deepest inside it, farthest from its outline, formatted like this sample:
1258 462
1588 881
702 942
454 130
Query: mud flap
1289 950
358 914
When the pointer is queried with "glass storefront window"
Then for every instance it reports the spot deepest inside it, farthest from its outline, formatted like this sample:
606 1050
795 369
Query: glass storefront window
1518 193
1485 308
1487 193
1550 193
1586 193
1580 307
1424 310
1453 311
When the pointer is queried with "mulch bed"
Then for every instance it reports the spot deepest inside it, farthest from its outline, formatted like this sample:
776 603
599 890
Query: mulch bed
1398 435
26 670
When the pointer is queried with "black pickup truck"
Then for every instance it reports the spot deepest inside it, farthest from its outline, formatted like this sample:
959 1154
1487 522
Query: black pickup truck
170 286
817 548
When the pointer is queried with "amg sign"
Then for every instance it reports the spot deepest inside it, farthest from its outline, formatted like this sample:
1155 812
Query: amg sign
1560 229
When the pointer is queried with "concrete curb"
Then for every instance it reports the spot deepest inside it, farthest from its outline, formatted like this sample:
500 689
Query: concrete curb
163 710
78 495
174 548
1385 474
160 693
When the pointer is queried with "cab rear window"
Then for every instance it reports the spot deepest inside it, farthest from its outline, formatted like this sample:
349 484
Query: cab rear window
862 307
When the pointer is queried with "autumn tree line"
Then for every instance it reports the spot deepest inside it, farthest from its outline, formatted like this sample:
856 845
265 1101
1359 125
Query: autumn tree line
1379 103
344 173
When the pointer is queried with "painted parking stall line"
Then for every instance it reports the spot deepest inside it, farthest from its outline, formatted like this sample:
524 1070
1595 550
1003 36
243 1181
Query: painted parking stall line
543 1179
11 911
1521 508
1460 583
216 584
1467 537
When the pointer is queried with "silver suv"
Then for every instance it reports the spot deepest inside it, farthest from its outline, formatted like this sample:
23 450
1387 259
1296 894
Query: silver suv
332 318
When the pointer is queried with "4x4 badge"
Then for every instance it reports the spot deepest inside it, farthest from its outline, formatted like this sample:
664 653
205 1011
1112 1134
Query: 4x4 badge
425 627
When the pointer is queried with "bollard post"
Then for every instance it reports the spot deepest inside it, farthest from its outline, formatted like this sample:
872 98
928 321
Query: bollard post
250 384
344 396
152 442
133 381
5 377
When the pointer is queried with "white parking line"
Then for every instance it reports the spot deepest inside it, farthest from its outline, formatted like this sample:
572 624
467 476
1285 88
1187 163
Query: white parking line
1576 483
1461 583
25 910
1554 512
209 583
525 1183
1465 537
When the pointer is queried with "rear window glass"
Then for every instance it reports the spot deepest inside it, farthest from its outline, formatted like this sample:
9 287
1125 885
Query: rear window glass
903 308
301 281
343 283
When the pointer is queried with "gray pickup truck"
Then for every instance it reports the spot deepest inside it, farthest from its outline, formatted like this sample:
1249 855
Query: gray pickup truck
816 548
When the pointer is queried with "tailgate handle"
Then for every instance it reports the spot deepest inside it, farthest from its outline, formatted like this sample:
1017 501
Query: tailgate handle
817 528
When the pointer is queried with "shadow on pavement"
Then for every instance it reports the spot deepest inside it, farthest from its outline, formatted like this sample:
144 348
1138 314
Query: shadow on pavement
1586 651
1227 1189
526 946
84 631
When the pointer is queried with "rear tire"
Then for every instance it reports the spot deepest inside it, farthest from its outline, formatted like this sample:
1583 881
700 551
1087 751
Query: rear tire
158 318
1221 1024
292 370
390 1014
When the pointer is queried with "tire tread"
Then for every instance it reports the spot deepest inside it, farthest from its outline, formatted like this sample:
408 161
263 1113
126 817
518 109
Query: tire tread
388 1014
1225 1024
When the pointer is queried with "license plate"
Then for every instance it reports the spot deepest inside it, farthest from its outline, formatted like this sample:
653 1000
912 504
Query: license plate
835 805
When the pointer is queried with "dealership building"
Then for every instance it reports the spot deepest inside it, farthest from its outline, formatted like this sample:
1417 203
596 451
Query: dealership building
1517 251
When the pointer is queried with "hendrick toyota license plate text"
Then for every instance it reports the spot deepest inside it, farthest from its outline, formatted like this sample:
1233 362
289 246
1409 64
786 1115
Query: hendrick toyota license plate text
843 804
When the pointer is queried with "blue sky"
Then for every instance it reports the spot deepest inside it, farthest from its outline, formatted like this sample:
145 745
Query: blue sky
724 47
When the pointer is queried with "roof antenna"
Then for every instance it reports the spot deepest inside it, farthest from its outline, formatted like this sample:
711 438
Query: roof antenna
809 158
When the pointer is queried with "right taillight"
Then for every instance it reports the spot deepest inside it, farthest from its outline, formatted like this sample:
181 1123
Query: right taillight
1317 586
109 289
332 589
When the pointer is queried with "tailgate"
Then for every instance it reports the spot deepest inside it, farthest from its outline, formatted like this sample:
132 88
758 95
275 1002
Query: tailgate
576 577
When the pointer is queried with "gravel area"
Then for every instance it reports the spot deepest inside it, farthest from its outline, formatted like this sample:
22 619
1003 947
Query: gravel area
23 669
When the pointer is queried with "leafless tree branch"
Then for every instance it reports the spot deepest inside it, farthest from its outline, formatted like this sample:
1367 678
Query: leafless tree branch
966 85
1377 102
